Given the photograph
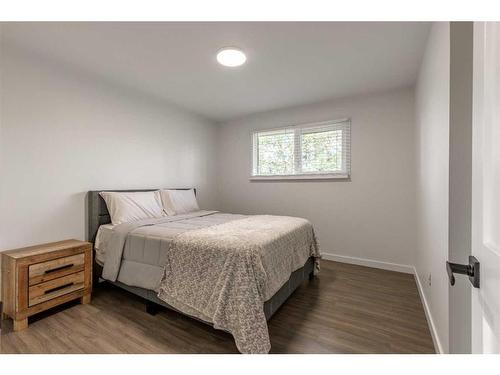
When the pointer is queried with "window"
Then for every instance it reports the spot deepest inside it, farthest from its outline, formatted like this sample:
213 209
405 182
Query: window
303 152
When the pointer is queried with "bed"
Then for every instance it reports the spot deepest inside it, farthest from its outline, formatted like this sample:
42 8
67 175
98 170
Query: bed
144 272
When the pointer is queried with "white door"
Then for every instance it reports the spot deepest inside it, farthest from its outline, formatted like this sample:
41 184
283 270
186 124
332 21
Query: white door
486 187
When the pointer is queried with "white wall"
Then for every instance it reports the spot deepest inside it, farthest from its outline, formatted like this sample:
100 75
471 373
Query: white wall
371 216
1 101
432 100
65 132
1 127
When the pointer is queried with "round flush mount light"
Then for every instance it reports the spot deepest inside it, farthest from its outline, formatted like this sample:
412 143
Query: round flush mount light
231 57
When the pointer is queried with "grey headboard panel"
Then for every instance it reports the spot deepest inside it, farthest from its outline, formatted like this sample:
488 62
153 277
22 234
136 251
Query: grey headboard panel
98 212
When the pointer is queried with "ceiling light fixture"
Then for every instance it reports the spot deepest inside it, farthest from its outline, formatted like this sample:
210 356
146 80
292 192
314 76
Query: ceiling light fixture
231 57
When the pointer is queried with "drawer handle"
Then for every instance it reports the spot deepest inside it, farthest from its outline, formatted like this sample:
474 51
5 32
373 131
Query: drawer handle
57 288
59 268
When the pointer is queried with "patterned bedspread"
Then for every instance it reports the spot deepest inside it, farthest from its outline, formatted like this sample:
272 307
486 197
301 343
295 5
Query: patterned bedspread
224 273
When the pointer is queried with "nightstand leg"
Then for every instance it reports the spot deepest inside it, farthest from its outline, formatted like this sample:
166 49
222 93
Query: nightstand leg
20 324
85 299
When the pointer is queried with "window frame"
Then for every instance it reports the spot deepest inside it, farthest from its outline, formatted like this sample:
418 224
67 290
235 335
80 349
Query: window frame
345 174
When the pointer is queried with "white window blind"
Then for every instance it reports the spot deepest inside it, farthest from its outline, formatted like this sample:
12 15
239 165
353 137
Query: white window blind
320 150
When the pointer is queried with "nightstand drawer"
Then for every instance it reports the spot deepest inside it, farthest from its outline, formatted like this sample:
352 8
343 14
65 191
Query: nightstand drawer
55 268
54 288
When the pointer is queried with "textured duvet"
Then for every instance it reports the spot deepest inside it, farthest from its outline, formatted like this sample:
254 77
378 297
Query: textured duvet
224 273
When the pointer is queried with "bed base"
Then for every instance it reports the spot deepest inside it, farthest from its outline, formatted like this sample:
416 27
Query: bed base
270 306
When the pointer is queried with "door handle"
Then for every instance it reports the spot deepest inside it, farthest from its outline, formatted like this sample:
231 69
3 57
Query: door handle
471 270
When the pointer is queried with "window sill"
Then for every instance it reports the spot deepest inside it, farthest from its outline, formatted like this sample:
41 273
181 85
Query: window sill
312 177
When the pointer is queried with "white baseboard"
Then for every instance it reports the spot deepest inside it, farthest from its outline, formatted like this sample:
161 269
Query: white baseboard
369 263
432 327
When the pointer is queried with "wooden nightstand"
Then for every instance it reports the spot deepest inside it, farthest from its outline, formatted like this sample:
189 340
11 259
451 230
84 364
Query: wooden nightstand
37 278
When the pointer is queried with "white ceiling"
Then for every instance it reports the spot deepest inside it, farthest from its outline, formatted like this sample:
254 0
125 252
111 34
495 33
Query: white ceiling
288 63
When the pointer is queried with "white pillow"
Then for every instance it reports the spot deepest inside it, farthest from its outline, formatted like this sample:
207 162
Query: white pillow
133 206
177 202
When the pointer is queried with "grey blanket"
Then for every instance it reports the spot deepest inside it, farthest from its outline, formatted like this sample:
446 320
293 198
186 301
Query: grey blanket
221 268
160 228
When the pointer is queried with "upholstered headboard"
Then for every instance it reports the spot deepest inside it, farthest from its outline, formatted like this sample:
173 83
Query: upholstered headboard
98 212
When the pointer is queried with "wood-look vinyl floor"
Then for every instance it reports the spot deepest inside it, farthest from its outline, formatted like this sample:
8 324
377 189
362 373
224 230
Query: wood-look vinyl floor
346 309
